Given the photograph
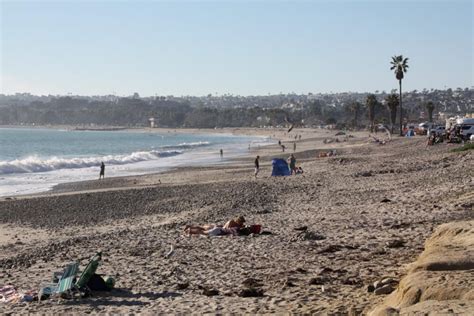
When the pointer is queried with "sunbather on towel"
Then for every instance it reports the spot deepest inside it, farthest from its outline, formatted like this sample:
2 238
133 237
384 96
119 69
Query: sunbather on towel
230 228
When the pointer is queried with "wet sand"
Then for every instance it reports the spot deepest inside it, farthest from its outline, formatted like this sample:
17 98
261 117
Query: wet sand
368 211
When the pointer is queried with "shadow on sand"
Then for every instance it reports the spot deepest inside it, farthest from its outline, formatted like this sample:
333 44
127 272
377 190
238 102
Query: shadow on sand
121 297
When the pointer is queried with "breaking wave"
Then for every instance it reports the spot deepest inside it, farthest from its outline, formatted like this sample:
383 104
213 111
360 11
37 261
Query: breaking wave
36 164
186 145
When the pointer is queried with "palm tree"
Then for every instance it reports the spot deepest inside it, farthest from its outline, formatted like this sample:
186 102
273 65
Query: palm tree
400 66
355 108
392 104
371 104
430 108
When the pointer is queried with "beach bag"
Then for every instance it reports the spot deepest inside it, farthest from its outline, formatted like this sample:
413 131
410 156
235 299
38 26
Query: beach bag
255 229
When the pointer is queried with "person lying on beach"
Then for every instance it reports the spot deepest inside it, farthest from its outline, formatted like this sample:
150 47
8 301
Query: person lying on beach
231 227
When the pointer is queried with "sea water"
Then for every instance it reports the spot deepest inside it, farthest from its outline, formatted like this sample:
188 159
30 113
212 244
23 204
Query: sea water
34 160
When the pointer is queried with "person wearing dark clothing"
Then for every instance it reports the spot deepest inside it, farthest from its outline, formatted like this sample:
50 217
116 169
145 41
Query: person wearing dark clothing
257 166
102 170
222 153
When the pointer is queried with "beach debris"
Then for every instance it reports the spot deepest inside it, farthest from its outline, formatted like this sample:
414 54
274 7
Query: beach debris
169 253
9 294
339 134
307 235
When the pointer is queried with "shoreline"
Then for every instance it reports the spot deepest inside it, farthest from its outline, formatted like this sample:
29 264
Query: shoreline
249 132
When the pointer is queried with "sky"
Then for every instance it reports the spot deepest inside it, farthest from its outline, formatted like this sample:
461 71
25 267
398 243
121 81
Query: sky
236 47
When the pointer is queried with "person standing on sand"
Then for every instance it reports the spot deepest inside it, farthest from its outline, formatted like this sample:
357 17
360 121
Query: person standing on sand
294 146
257 166
102 170
292 160
222 153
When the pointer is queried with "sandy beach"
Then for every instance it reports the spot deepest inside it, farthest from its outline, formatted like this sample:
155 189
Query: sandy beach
367 210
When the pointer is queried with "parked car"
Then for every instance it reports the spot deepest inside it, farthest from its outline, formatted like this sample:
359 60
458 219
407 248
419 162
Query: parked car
424 127
439 130
467 131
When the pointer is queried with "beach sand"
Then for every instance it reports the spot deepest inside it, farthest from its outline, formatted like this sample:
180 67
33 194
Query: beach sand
368 211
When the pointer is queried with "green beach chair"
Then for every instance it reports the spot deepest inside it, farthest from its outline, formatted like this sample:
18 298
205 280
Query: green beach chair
89 271
67 279
65 282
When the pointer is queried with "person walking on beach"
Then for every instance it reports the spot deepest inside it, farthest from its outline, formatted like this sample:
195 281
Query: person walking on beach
257 166
102 170
294 146
222 153
292 160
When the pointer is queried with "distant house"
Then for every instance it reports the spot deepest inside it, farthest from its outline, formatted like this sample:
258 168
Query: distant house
152 122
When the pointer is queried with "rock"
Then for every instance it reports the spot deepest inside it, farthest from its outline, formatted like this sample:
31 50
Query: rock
210 292
251 283
385 289
318 280
330 249
301 228
370 288
182 286
385 200
251 292
388 281
397 243
307 235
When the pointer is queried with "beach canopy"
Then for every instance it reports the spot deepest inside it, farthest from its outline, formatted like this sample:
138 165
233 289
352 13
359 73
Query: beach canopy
280 167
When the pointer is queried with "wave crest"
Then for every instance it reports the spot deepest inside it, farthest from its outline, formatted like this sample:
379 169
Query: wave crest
36 164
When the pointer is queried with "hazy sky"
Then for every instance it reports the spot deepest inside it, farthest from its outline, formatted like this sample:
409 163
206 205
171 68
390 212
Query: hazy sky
238 47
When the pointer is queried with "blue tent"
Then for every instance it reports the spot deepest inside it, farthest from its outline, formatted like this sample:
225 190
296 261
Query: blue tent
280 168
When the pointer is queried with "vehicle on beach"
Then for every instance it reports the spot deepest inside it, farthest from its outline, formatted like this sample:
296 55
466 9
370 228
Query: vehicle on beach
438 130
467 131
424 127
466 127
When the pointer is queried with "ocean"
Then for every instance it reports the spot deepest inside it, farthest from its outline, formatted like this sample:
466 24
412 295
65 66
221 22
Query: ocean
34 160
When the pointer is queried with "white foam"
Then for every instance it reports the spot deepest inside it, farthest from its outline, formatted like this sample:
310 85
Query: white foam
33 164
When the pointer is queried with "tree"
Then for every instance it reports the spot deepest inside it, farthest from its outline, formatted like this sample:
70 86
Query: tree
355 108
392 104
371 103
400 67
430 108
